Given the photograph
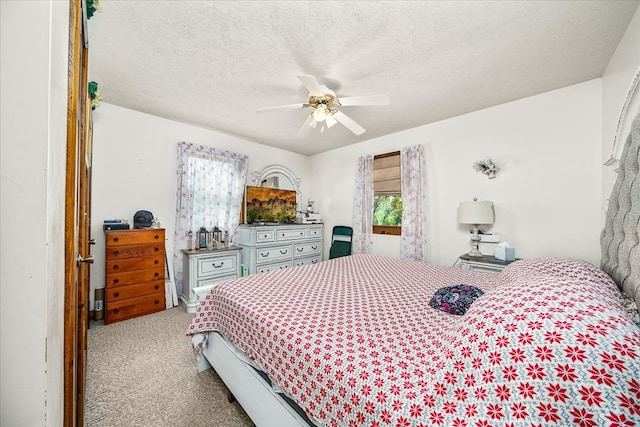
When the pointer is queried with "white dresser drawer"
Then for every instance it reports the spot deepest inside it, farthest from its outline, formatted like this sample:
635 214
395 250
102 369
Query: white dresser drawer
292 234
315 232
306 249
273 267
306 261
218 266
273 253
265 236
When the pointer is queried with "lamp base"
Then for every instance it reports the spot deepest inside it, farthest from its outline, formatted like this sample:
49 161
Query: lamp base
475 253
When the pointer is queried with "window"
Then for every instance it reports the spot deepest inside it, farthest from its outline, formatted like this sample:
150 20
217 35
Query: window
387 194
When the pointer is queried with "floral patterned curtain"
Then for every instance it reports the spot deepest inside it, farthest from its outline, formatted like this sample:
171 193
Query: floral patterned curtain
210 188
413 203
363 207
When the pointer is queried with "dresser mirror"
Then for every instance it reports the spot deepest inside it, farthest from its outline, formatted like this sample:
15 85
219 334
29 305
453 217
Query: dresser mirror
280 177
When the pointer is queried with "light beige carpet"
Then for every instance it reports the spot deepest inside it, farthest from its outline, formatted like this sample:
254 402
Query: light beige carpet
141 372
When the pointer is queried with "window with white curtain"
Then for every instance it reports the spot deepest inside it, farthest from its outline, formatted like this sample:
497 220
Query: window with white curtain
209 193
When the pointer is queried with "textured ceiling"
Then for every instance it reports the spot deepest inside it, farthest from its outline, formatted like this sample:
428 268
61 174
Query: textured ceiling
214 63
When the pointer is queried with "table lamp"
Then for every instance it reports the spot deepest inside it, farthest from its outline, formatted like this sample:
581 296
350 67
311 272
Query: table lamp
476 213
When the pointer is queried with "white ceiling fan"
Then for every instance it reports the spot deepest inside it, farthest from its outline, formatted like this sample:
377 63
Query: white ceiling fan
325 107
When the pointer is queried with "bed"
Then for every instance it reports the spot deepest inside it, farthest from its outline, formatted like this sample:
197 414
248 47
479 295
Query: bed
354 341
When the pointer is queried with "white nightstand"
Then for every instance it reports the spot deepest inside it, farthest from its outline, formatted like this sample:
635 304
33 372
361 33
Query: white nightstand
483 263
206 268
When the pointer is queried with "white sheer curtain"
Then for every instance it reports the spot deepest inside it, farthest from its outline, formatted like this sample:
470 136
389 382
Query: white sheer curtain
209 193
363 207
412 175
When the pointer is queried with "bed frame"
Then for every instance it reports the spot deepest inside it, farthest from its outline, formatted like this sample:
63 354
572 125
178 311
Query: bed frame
256 396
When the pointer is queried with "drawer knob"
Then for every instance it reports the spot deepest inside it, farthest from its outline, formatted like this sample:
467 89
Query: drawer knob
116 295
116 239
157 302
156 237
217 266
156 262
116 281
284 252
116 253
157 287
156 274
116 311
264 254
115 267
314 261
299 249
314 247
156 249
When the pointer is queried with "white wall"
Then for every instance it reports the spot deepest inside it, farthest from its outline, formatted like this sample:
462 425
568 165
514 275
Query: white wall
134 168
616 81
547 194
34 50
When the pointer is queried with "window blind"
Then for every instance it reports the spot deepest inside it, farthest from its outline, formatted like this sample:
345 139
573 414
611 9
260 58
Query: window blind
386 174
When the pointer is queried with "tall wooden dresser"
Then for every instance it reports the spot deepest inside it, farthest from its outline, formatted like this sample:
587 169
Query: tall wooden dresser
134 273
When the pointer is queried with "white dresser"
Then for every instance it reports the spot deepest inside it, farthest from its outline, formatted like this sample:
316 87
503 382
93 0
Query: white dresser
276 247
204 269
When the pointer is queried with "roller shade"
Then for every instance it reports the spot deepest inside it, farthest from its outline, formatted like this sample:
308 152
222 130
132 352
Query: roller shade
386 174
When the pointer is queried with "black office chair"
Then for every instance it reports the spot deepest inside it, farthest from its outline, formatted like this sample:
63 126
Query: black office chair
341 241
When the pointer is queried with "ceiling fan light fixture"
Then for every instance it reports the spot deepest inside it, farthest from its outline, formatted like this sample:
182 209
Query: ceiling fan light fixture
320 113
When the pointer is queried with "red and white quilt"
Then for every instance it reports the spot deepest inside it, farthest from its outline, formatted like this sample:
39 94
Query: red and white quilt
355 343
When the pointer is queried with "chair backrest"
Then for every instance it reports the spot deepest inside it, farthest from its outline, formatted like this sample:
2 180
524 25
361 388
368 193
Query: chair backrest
342 230
340 241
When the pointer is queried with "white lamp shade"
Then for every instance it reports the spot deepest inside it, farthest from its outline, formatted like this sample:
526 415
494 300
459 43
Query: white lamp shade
476 212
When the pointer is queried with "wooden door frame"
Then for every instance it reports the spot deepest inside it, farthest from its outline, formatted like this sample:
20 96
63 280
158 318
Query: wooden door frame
77 203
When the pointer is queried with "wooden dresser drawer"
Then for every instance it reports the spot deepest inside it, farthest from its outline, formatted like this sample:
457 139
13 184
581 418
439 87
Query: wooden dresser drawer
133 277
219 266
137 237
273 253
135 251
120 293
133 264
133 307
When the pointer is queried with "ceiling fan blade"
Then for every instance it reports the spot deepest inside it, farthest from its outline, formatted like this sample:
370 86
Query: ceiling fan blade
281 107
365 100
348 123
330 121
306 126
311 84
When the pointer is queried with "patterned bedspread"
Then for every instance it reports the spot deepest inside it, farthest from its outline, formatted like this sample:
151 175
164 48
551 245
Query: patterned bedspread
354 342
